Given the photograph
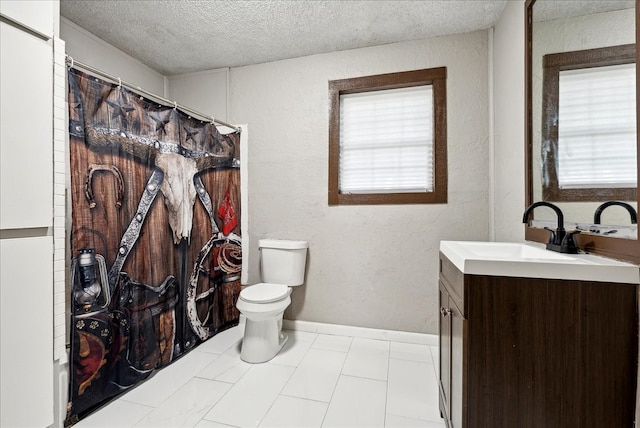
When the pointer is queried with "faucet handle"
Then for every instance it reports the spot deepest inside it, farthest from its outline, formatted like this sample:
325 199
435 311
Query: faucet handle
569 244
552 235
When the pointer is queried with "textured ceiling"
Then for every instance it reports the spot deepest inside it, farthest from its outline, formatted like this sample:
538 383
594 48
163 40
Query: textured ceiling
175 37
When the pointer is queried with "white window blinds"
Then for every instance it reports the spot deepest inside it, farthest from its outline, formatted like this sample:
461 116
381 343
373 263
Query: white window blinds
597 127
386 141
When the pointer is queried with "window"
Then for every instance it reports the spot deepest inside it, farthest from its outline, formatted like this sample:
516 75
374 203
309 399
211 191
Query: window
387 139
589 125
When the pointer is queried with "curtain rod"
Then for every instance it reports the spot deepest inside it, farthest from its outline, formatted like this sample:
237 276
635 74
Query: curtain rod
75 64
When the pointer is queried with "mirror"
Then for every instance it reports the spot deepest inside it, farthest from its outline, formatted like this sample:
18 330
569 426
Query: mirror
599 33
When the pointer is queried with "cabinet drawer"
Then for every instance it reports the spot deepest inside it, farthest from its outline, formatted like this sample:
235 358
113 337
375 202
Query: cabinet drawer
453 280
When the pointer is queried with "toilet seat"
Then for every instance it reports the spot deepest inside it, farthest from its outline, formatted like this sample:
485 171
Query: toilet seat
265 293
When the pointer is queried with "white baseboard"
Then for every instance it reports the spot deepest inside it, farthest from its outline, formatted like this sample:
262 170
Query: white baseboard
363 332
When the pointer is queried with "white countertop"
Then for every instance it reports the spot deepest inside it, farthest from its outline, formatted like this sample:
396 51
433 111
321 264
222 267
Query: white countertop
532 260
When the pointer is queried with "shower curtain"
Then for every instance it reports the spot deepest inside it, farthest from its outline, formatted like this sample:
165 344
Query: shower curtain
155 237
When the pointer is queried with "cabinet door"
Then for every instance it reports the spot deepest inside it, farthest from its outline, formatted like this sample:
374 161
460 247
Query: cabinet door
457 367
445 353
26 134
26 332
39 15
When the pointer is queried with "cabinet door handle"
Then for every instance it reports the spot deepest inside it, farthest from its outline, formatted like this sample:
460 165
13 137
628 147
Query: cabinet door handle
444 312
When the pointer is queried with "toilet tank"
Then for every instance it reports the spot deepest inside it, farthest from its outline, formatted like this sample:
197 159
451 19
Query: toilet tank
283 261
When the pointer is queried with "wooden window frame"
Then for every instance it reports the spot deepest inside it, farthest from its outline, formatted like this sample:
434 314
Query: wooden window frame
552 65
436 77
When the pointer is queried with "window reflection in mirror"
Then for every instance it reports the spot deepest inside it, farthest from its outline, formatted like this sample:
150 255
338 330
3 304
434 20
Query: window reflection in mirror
557 30
589 131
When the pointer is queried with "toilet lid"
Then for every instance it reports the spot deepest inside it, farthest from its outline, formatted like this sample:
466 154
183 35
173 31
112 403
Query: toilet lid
264 293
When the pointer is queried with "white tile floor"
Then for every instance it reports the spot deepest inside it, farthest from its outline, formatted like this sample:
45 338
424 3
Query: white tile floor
317 380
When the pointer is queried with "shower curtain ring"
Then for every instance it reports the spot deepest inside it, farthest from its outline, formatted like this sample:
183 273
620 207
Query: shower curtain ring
175 105
119 82
71 60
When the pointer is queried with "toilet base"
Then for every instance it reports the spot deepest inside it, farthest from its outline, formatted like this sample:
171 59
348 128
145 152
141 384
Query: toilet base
262 340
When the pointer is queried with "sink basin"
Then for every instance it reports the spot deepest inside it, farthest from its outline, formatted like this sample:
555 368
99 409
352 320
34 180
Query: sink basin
532 260
507 251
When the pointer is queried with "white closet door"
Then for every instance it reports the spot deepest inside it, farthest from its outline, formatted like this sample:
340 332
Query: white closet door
36 15
26 134
26 336
26 209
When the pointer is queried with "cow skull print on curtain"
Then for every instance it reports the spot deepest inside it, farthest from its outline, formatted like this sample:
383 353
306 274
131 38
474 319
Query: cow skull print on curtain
155 237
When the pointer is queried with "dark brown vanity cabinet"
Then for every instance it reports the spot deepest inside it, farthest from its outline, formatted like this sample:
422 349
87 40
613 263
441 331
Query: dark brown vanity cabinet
534 353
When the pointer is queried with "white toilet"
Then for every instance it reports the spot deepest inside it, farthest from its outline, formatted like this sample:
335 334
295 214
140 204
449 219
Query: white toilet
282 266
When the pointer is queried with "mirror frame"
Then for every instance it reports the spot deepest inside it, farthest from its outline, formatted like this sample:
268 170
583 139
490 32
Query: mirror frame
617 248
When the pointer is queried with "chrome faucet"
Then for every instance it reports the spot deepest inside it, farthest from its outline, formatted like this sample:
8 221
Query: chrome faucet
632 211
559 240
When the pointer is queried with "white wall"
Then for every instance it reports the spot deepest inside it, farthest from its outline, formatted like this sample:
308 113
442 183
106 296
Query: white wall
508 84
205 92
370 266
86 48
